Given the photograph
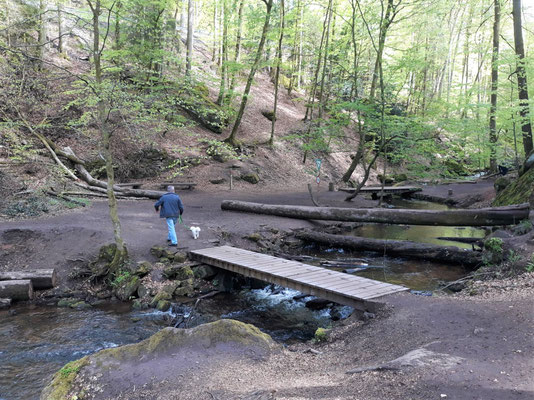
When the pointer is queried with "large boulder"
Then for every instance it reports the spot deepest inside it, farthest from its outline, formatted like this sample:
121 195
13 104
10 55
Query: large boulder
518 191
167 362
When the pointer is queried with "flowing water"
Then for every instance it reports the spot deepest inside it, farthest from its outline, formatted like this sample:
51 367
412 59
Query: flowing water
36 341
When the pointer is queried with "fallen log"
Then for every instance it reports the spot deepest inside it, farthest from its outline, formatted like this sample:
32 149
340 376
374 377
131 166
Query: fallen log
462 217
404 248
122 191
16 290
42 279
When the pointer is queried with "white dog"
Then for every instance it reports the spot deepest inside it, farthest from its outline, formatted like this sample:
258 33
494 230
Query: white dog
195 230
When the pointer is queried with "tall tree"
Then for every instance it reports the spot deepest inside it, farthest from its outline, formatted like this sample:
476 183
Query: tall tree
232 138
42 31
277 72
237 54
224 52
105 133
522 85
189 40
494 85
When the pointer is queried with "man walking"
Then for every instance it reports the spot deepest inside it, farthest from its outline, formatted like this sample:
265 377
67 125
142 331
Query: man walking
171 208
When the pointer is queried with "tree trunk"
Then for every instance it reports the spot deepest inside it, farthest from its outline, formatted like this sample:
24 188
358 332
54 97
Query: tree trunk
232 138
522 78
462 217
59 27
402 248
41 279
42 31
237 48
277 73
16 290
189 40
224 53
384 26
105 137
494 85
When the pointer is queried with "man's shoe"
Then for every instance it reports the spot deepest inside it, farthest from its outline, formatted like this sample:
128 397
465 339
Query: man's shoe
168 240
173 245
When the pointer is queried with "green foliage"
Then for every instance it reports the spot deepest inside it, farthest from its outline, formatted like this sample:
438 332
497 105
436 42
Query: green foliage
321 335
530 265
494 251
120 277
70 368
221 151
32 206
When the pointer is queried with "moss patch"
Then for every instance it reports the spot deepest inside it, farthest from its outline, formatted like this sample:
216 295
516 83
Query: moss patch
62 382
517 192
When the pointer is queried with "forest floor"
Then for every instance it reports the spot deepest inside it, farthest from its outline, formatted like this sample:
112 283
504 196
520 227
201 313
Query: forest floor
478 345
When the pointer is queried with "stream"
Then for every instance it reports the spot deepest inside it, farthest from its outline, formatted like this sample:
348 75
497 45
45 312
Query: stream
38 340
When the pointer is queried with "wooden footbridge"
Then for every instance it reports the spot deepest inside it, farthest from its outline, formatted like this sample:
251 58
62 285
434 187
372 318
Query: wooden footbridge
350 290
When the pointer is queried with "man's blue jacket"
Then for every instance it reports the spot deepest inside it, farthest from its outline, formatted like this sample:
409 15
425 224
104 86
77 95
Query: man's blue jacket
171 206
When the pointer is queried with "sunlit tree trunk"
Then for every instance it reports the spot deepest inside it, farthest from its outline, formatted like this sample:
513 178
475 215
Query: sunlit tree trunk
522 85
59 27
494 85
277 73
42 31
232 138
224 52
189 40
237 47
105 134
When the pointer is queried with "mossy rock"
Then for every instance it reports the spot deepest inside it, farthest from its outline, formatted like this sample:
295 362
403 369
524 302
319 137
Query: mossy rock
127 288
400 178
195 100
517 192
139 305
255 237
100 266
501 183
178 272
81 305
204 271
225 339
269 114
186 291
163 305
63 380
170 287
68 302
157 251
162 295
144 290
142 268
455 167
250 177
388 180
179 257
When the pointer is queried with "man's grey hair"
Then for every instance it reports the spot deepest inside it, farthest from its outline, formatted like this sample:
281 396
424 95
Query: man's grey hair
170 189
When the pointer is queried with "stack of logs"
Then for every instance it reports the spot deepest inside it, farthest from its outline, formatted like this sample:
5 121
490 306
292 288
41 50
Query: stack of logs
19 285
